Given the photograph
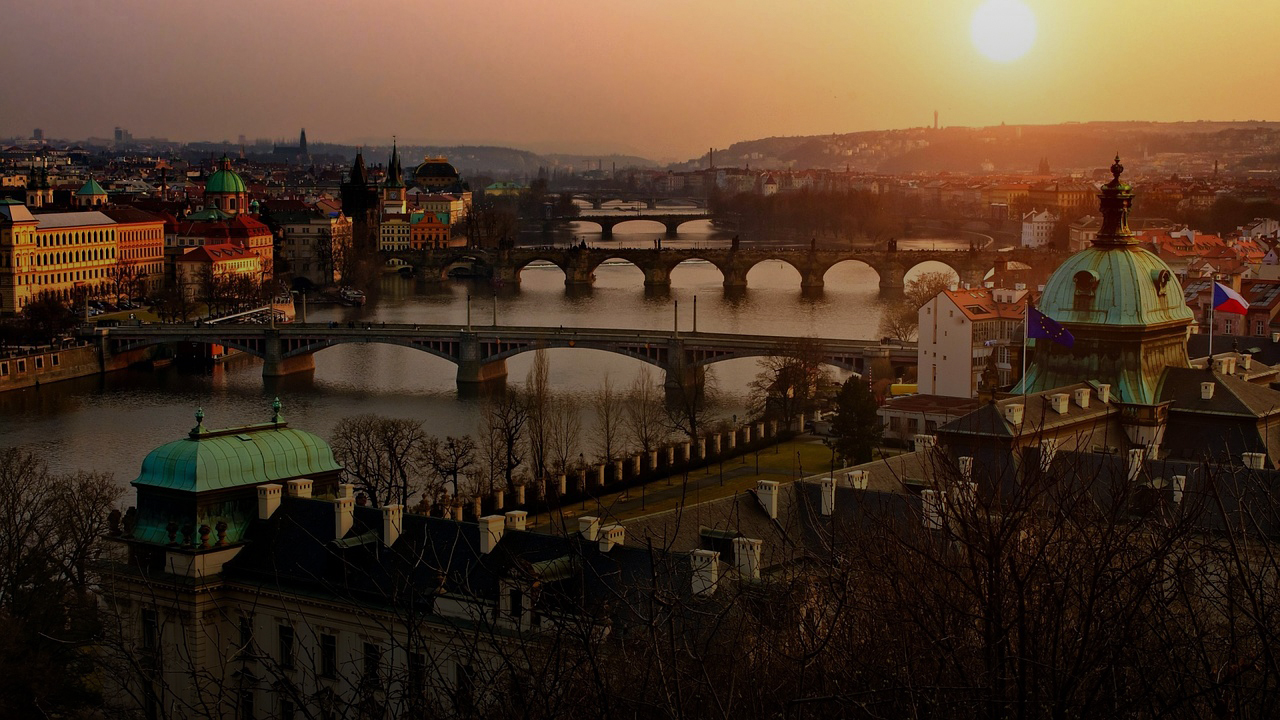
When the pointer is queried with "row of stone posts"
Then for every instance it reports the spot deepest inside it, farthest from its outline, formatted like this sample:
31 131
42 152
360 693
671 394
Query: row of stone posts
597 478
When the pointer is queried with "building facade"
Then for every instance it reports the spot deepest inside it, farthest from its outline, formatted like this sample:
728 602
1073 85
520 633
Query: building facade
970 340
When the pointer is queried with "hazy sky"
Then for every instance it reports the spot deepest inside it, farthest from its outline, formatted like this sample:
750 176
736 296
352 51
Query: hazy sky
656 77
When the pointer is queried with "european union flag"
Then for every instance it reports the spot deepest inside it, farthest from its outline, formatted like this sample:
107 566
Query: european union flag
1040 325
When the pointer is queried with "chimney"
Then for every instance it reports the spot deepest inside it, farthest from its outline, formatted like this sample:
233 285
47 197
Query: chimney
746 557
516 519
1104 393
392 523
1254 461
457 511
925 442
1081 397
611 536
300 488
346 490
1136 456
966 469
268 500
589 527
828 496
1206 390
1246 362
706 571
1048 449
931 508
767 494
1179 486
343 508
858 479
1059 402
1275 337
520 494
498 497
1013 413
491 527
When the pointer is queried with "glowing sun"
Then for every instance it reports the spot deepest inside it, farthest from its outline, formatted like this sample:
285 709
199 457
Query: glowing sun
1003 30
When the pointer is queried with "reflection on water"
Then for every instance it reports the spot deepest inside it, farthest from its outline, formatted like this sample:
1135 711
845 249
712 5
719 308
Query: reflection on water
109 423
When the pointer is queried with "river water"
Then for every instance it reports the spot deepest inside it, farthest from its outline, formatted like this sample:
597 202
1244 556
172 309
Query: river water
110 423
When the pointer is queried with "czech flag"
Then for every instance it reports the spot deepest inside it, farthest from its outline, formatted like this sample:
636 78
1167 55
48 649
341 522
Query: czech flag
1228 301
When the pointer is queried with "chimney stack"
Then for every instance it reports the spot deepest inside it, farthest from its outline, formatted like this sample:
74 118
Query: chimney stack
1104 393
746 557
767 493
343 509
516 519
268 500
1081 397
392 523
589 527
828 496
931 508
1059 403
1136 456
1013 413
858 479
491 527
1255 460
1206 390
300 488
610 537
706 571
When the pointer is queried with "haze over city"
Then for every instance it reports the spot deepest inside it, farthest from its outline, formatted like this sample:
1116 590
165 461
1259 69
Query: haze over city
661 79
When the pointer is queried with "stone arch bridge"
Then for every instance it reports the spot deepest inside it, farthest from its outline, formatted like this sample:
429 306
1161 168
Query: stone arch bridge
480 353
608 221
579 264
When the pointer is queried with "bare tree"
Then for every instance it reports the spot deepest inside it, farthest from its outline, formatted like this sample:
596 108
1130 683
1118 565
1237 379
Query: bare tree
643 417
901 319
503 421
381 455
607 408
537 401
792 380
566 433
690 400
449 458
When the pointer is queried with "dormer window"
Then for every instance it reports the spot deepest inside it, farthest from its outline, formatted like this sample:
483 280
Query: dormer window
1086 288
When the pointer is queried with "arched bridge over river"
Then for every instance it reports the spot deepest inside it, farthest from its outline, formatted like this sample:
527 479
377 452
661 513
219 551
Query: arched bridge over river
481 352
579 264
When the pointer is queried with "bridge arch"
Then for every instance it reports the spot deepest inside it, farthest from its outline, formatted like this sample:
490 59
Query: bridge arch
911 270
670 265
616 261
655 355
549 258
440 350
127 344
851 267
849 364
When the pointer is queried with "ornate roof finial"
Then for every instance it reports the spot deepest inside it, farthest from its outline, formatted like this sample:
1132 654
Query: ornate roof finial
199 428
1117 168
276 417
1115 199
199 416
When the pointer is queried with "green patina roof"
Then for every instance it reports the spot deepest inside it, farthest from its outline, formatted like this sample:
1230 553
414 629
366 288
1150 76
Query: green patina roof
209 213
236 457
91 188
225 180
1133 287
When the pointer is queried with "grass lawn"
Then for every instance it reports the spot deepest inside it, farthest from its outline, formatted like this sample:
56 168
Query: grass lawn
785 462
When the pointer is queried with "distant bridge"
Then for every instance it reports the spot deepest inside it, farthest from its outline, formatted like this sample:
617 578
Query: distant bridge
481 352
650 198
608 221
579 264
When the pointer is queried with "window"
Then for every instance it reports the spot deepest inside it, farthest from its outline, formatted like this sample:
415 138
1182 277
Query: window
1260 328
895 422
150 630
286 646
287 710
1228 326
246 704
39 362
515 606
22 366
417 674
913 426
1086 286
246 633
328 656
372 660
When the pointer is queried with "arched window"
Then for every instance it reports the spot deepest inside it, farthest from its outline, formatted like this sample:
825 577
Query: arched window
1086 288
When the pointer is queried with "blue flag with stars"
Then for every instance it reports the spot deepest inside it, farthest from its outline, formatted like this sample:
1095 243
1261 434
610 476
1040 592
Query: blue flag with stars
1040 325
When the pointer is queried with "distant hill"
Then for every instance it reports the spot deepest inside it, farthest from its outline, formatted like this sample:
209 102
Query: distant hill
490 160
1067 146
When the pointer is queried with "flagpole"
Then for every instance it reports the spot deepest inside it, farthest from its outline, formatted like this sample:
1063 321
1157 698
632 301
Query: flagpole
1213 291
1026 330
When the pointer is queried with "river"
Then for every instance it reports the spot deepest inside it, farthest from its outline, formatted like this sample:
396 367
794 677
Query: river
109 423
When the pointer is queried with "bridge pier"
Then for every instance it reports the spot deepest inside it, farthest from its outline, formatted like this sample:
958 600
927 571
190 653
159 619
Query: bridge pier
892 280
274 364
578 273
673 227
735 279
506 273
597 203
473 369
812 280
972 275
606 229
657 276
651 203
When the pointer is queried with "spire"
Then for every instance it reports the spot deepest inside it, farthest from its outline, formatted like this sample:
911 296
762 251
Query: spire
302 142
395 175
276 416
199 428
359 175
1115 200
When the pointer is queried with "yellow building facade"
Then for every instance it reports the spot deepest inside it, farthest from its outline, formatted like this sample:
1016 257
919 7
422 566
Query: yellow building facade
68 255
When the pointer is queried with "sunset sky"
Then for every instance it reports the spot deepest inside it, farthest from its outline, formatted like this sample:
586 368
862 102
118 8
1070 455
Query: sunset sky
660 78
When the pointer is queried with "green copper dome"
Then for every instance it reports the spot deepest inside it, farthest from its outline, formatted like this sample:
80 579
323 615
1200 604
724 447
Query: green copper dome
1114 286
237 457
1123 307
225 180
91 188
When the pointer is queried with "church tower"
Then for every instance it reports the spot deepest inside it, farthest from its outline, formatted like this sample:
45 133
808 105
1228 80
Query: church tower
360 203
394 200
1122 304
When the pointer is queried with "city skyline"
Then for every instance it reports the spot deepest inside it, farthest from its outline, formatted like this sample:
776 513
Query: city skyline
666 82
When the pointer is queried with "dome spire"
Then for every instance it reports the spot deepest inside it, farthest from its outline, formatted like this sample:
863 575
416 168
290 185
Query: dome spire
1115 200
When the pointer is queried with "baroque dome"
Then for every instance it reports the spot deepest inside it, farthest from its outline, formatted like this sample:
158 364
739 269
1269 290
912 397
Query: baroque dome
225 180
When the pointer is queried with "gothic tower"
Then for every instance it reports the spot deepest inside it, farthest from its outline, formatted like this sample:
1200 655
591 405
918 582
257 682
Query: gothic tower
393 190
360 203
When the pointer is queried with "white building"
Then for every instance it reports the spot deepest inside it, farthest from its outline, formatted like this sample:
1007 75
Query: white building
1037 228
960 330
